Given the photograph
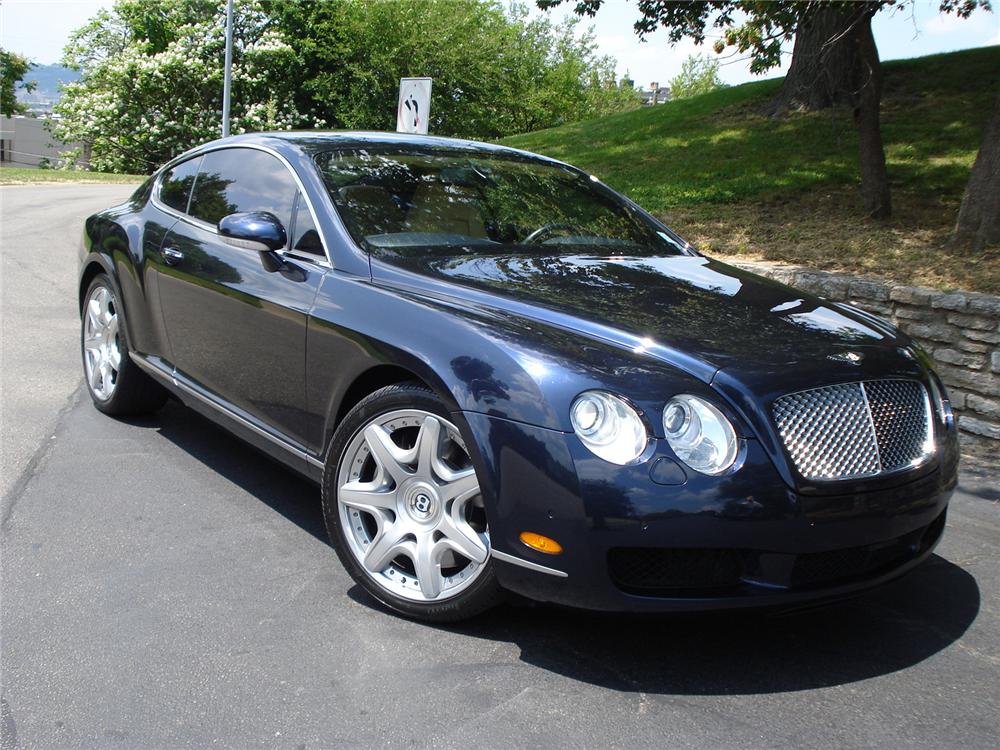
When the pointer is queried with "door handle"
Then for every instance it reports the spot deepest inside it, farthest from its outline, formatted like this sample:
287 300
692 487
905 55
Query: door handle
172 256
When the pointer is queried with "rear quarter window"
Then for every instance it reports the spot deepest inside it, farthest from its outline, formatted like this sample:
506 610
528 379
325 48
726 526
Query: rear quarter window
175 188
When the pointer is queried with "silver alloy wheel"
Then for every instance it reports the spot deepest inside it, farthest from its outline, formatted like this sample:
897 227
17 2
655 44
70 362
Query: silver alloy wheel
102 351
410 506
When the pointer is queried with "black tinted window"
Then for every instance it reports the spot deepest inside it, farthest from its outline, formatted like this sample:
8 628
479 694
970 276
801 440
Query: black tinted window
177 182
239 179
305 238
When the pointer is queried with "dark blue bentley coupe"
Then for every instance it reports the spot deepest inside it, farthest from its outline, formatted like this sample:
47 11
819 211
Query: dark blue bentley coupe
505 376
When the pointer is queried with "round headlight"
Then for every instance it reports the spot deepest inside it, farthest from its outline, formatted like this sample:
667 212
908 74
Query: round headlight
699 434
608 426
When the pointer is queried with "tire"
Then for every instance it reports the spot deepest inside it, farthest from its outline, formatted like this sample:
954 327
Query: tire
116 384
406 516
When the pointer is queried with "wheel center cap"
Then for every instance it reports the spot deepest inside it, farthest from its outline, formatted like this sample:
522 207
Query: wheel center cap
421 503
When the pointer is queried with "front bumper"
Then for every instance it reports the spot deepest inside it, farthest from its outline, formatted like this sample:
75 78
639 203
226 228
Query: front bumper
656 537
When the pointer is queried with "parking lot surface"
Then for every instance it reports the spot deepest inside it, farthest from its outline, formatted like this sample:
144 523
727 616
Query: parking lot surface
165 586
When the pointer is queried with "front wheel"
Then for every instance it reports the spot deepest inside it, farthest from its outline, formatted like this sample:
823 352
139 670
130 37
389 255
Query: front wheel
404 510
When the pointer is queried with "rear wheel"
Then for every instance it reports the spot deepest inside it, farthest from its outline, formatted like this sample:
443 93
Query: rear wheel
404 509
116 384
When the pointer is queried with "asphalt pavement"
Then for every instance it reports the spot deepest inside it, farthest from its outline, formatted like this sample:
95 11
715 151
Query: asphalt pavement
40 233
164 586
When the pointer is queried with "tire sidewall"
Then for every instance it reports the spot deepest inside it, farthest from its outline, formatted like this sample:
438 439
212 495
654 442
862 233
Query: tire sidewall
135 392
481 595
102 280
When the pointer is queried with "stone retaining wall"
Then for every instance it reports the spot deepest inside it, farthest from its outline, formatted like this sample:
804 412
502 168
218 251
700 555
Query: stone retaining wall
961 330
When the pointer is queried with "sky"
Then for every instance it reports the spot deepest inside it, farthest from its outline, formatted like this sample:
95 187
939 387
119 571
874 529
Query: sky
40 28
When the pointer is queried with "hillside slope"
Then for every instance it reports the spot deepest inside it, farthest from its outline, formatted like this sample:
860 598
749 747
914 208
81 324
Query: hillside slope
735 182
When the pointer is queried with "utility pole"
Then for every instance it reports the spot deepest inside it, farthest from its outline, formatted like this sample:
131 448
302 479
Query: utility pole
227 79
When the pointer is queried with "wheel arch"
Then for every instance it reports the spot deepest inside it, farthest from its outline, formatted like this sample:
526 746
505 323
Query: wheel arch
372 379
369 381
92 268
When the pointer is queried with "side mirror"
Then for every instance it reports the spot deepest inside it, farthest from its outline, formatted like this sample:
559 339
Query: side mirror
257 230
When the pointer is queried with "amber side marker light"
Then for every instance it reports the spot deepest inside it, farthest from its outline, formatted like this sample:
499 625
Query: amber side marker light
541 543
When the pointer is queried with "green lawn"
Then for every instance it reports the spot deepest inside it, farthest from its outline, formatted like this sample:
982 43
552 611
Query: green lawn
25 176
739 183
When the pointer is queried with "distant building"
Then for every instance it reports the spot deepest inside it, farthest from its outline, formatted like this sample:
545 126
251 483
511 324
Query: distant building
662 95
38 104
27 142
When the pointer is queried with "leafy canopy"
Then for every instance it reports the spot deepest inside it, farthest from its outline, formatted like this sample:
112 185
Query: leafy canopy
699 75
151 83
13 68
495 71
754 27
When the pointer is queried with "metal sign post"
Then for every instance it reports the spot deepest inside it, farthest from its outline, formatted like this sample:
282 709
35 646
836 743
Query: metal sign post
227 76
414 110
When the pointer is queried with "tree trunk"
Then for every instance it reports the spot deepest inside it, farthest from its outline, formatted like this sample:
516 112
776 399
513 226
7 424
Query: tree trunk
866 74
819 75
979 217
835 62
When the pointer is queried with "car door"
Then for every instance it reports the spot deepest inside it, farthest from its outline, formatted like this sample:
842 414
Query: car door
235 328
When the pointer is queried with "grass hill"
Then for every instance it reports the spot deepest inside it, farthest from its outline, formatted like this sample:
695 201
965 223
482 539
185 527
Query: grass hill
736 183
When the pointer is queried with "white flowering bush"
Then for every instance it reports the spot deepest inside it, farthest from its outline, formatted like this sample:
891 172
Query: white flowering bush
152 80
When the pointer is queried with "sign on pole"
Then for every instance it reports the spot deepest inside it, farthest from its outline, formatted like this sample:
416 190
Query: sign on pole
414 109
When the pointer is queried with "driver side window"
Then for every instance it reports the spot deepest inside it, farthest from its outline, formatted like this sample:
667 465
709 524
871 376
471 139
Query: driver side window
234 180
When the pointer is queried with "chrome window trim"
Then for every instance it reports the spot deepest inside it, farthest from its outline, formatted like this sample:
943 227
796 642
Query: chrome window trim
326 261
171 378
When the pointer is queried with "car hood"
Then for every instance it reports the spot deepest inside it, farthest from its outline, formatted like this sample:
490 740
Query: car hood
726 317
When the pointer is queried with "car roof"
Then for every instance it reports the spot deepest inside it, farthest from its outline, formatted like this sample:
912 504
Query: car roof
314 141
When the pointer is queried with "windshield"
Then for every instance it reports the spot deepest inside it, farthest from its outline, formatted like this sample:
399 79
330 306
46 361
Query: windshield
470 202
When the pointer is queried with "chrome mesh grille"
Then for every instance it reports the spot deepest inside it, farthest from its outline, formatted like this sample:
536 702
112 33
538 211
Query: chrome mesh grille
855 429
900 419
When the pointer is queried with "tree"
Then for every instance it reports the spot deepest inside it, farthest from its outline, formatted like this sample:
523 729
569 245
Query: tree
699 75
835 62
835 59
495 72
13 68
151 84
979 216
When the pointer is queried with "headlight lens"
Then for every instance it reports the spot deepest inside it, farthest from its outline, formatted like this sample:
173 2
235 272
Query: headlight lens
699 434
939 397
608 426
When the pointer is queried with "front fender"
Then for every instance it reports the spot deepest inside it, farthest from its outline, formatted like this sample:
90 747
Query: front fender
480 361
